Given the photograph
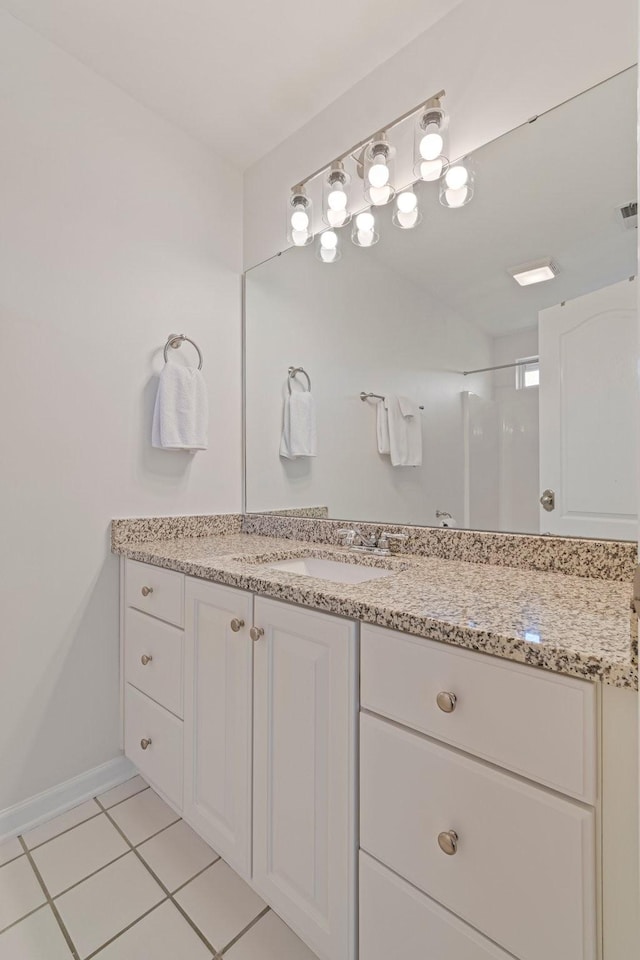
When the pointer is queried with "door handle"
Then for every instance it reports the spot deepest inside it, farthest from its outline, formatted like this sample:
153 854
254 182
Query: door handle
548 500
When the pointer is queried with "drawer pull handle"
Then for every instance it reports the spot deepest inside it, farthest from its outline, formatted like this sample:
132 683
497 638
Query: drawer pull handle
448 842
145 659
446 701
146 591
255 633
237 625
145 743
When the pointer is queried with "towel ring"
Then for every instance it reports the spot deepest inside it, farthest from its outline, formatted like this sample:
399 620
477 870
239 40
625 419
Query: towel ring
176 340
292 373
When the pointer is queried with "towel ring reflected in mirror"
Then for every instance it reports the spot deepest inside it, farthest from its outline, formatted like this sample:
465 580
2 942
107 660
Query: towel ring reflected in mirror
176 340
293 371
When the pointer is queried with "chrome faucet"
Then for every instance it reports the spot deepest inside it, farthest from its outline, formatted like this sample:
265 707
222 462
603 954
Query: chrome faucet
377 543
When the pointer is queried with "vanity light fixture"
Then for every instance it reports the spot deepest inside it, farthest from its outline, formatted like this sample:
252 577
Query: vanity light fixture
335 195
328 247
364 233
456 186
535 272
300 218
429 141
378 171
407 214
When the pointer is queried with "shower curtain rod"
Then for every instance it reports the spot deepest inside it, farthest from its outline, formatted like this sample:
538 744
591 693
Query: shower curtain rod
503 366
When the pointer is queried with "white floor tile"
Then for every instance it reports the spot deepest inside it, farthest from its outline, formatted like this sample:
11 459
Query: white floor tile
46 831
9 850
177 854
162 935
127 789
37 937
102 906
270 939
142 816
20 892
220 904
73 856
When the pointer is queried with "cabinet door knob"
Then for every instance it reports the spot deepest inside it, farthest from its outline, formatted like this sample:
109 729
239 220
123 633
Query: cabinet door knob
446 701
237 625
256 632
146 591
145 659
145 743
448 842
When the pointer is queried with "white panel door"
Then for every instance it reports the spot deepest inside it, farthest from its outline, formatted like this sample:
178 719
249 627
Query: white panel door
589 414
305 711
218 719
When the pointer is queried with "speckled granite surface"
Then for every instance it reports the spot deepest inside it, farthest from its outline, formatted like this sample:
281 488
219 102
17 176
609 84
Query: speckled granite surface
141 529
597 559
573 625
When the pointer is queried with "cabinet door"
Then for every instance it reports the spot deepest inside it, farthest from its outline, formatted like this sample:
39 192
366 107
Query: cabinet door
217 719
305 710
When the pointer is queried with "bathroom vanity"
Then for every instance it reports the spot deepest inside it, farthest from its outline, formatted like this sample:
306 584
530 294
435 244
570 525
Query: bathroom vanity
389 778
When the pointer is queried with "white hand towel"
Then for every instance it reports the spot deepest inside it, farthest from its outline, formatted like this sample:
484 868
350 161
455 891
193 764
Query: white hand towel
405 432
299 436
382 427
181 412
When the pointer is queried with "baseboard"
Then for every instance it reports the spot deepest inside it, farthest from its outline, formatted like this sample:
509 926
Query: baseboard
34 811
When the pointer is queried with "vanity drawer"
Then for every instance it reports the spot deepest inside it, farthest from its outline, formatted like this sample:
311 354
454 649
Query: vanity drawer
395 915
533 722
524 870
153 659
161 761
155 591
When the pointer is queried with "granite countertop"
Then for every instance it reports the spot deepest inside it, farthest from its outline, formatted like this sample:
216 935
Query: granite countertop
567 624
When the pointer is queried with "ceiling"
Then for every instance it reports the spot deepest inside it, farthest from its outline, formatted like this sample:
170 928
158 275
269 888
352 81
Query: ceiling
548 188
240 76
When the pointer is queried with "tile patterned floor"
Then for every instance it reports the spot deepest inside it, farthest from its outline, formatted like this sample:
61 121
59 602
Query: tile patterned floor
121 877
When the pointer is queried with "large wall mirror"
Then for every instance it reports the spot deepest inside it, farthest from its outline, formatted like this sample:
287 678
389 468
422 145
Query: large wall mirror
555 417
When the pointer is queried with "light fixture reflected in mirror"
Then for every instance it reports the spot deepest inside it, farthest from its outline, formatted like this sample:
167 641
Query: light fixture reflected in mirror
335 195
378 171
430 141
457 184
299 218
407 213
363 233
328 250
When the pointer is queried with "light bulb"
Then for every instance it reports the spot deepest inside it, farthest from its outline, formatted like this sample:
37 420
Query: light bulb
456 198
431 169
328 255
378 174
336 218
365 222
299 237
329 240
431 145
365 237
299 220
456 177
407 201
380 195
407 219
337 200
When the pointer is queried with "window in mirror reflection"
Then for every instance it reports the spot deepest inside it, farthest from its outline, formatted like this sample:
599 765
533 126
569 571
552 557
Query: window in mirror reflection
528 374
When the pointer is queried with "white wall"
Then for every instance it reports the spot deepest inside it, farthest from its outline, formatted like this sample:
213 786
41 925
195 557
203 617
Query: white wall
500 61
356 325
117 229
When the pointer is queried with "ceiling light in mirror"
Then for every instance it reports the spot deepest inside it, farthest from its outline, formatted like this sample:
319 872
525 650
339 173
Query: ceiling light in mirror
335 196
535 272
364 233
378 172
328 250
456 186
429 141
407 214
299 218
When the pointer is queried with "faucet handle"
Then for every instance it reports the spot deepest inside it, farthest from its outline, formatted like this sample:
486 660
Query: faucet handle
349 536
396 536
384 538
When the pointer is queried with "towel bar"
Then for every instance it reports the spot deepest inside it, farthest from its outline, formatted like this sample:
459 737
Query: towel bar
376 396
176 340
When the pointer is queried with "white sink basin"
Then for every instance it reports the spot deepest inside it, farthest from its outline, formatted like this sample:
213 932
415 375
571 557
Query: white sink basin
332 570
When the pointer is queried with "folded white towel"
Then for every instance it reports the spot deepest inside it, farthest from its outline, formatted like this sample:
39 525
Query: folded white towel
299 437
405 432
181 412
382 427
